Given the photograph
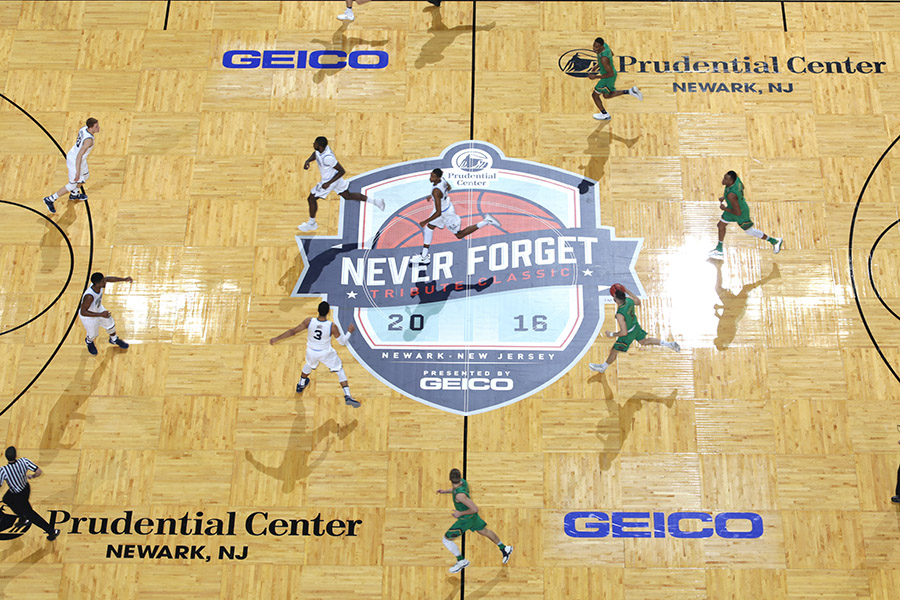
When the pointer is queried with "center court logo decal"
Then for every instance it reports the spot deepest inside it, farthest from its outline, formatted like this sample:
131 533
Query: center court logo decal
496 316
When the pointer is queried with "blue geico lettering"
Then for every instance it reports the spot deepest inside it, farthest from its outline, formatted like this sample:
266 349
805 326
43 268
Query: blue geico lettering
584 524
298 59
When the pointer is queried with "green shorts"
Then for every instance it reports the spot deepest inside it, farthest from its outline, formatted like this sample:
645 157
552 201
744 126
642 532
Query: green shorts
743 220
466 523
624 342
606 86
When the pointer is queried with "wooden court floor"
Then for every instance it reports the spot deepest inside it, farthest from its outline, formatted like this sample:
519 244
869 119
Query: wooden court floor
781 402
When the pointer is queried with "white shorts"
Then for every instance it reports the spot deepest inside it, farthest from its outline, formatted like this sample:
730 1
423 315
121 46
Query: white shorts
329 358
450 220
338 187
70 164
93 324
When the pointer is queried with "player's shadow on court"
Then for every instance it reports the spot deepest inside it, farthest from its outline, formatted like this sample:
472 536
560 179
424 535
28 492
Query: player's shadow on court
52 244
289 278
733 306
442 36
598 145
65 411
430 304
294 468
340 41
615 428
484 590
17 569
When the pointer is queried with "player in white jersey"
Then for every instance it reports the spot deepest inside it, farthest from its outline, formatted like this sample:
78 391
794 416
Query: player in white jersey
332 181
76 162
319 350
444 216
94 315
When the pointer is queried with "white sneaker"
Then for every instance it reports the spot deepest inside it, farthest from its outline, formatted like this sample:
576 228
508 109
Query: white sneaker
459 566
307 227
418 259
717 254
346 17
602 116
506 554
778 244
675 346
492 220
636 93
597 368
379 203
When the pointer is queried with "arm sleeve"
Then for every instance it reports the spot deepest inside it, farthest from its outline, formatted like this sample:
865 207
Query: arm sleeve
342 340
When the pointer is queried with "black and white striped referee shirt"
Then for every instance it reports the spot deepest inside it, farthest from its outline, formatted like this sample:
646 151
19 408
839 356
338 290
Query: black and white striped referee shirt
14 474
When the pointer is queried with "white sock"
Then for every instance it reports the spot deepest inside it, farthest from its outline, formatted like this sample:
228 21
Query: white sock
604 365
312 220
113 337
428 235
346 390
424 251
451 546
665 343
54 197
482 224
349 11
755 232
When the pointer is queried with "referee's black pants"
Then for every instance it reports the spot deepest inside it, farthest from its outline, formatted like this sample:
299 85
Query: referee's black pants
18 502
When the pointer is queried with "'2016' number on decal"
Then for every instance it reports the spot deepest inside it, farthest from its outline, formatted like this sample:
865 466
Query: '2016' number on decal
538 323
416 322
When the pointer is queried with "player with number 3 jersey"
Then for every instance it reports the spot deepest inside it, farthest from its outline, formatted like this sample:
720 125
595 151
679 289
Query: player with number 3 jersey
320 330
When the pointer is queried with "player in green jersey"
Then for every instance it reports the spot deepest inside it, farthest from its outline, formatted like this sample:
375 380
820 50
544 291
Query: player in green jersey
467 519
737 211
606 86
629 328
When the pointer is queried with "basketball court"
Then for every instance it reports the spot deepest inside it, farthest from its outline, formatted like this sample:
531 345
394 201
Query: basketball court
757 462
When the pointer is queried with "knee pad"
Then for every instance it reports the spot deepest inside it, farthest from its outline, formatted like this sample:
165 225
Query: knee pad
754 232
428 235
341 375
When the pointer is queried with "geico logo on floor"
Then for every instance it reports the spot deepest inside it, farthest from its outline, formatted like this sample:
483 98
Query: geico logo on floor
466 383
728 525
302 59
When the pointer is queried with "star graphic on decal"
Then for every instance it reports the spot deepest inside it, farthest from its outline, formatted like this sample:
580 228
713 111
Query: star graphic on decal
588 272
351 294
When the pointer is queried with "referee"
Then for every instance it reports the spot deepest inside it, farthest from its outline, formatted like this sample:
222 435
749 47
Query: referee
16 476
